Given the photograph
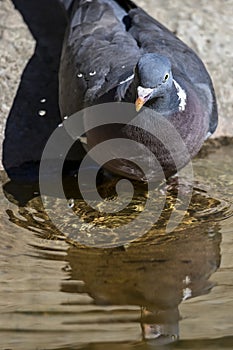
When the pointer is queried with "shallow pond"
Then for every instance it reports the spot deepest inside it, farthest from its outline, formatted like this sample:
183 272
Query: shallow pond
165 290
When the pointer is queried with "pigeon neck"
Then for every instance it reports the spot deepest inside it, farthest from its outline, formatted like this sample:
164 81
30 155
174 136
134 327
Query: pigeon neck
166 104
171 102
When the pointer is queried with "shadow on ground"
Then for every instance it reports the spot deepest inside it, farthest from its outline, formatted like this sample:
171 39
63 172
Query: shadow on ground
35 112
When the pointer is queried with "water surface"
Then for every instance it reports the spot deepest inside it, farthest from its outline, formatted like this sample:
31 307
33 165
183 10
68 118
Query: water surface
58 295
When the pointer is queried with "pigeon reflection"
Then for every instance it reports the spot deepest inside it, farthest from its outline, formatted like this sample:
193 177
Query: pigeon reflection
156 275
156 272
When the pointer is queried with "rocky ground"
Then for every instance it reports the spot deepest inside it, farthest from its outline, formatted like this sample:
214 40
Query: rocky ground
205 26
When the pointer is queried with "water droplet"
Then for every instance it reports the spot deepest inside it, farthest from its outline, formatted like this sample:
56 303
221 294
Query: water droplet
71 203
60 125
42 113
43 100
123 66
66 117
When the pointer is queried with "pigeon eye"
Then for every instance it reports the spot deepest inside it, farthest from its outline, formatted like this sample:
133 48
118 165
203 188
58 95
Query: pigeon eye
166 77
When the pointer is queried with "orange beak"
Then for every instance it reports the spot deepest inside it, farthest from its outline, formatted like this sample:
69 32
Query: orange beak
139 103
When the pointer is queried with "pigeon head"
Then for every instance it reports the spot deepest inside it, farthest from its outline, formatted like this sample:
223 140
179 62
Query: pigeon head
153 76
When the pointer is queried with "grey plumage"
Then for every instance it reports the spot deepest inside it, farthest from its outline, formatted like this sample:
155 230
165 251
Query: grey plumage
98 41
104 44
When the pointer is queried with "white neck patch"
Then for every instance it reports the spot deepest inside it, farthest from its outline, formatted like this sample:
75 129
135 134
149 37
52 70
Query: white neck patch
182 96
127 79
144 92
